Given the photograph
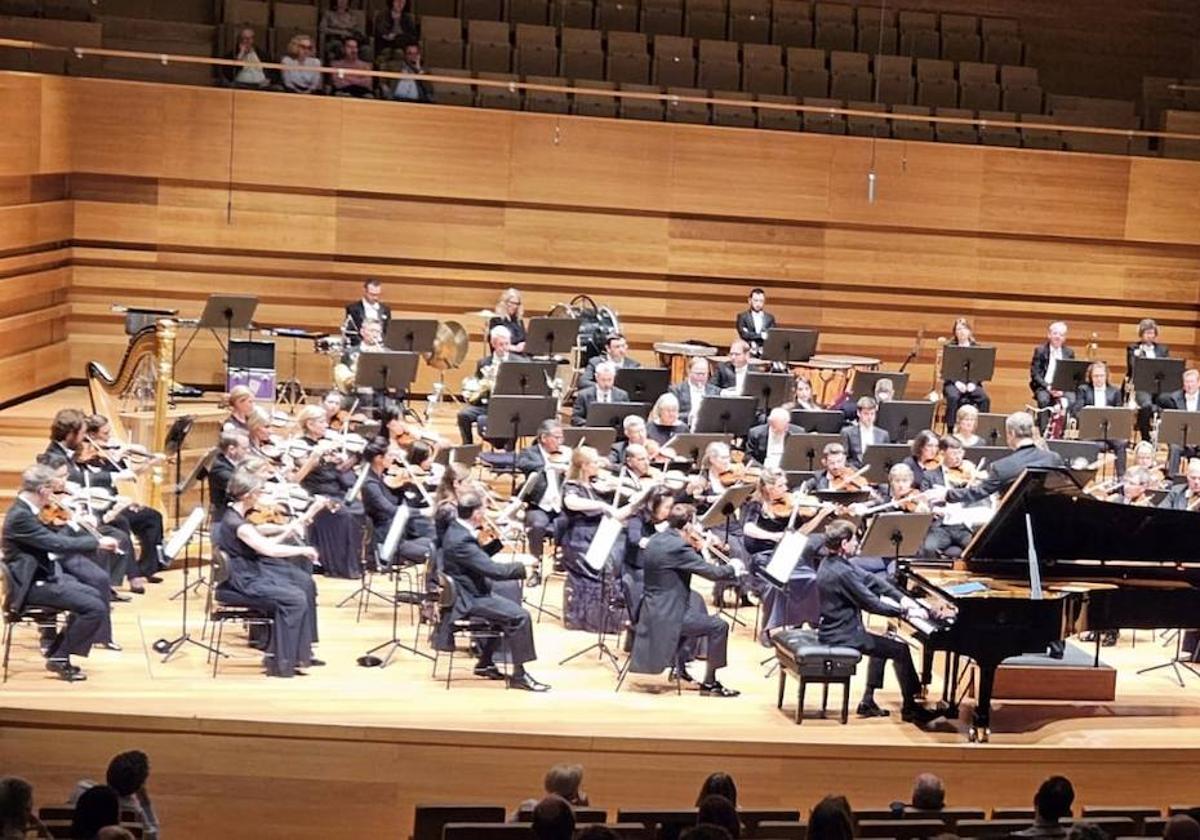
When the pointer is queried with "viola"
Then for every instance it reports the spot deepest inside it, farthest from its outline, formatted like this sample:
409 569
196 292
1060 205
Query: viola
55 514
738 474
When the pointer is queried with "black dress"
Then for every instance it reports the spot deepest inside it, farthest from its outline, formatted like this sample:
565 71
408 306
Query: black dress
584 606
336 534
515 327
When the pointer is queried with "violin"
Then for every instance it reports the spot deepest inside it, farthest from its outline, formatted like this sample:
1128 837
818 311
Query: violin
344 419
964 474
267 514
933 463
559 460
854 481
55 514
738 474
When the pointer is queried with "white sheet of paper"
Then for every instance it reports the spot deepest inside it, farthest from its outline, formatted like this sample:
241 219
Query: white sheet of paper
602 545
183 534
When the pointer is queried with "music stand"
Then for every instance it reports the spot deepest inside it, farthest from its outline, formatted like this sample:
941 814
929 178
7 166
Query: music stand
968 363
195 477
975 454
548 336
138 318
881 457
1074 450
1112 423
613 414
991 429
691 445
795 478
768 389
1069 374
524 379
179 542
904 418
519 416
411 335
1180 428
228 313
600 438
803 452
387 550
1157 376
644 384
788 345
720 515
866 380
894 534
465 455
825 422
385 370
728 415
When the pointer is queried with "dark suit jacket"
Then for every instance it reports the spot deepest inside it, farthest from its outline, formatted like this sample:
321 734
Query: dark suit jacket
219 473
852 440
745 327
75 472
726 376
356 312
1175 400
379 503
756 441
28 545
683 393
668 563
1040 362
472 570
1161 351
531 463
1004 471
845 591
585 398
1085 393
588 376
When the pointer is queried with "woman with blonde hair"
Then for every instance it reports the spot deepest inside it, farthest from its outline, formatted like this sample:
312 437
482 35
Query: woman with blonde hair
328 474
301 54
510 313
663 423
959 392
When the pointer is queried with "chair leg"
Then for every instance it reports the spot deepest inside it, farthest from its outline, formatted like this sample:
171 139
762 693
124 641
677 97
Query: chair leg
845 700
450 663
8 629
216 657
782 688
824 697
800 701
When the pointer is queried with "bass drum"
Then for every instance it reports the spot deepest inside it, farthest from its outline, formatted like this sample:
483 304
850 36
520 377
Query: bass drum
596 324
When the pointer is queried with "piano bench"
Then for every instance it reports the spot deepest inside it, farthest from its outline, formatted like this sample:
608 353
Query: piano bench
800 654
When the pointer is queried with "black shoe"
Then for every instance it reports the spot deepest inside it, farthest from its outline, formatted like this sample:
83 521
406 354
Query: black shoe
1055 652
534 580
527 683
65 670
490 672
1109 639
681 675
919 715
315 663
154 579
870 709
715 689
108 646
137 590
117 596
745 601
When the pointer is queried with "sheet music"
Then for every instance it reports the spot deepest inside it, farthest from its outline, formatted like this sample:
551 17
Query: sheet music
395 533
183 534
601 549
786 556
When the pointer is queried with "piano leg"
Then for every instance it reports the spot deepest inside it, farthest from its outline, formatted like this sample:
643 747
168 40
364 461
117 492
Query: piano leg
980 730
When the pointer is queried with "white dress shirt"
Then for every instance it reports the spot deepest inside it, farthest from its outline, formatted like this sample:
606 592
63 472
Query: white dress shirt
1055 357
552 498
775 447
1100 397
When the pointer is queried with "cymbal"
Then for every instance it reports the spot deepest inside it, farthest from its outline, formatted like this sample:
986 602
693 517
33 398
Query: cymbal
450 344
481 313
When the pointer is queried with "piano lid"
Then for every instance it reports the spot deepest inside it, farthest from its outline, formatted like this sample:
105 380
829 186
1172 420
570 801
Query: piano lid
1069 525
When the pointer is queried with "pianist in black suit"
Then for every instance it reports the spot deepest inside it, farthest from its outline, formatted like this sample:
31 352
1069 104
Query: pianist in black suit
1146 347
755 322
846 591
602 392
1099 393
1042 366
1018 432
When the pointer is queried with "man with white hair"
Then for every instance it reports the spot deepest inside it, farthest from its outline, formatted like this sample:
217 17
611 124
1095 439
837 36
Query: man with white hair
1042 367
765 443
634 428
603 392
500 340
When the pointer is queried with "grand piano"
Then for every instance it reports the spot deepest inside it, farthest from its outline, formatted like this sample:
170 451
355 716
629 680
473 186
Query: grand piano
1100 565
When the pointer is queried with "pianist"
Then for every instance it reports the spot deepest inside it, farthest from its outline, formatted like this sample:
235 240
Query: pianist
845 591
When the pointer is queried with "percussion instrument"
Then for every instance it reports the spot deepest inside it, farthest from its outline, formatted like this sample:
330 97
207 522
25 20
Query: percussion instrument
450 344
596 324
330 345
829 380
840 363
677 355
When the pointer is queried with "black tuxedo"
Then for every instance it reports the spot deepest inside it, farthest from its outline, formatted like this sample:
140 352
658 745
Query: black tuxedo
853 442
356 314
1161 351
726 376
1177 401
75 470
539 521
1004 471
668 613
585 398
1085 394
473 571
1040 386
683 393
1177 498
588 375
758 437
745 328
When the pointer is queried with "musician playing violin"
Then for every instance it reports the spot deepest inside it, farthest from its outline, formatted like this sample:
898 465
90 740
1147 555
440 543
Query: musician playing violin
925 456
718 472
634 428
1145 457
966 424
1185 496
326 472
1135 489
241 403
232 449
948 539
837 474
381 502
664 421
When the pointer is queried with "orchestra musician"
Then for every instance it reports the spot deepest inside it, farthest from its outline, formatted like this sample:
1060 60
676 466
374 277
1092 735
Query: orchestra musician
262 443
948 538
925 456
1134 489
1042 366
381 502
466 563
765 443
717 472
232 449
544 463
668 616
649 519
1146 347
960 392
692 391
1018 434
510 314
603 391
1145 457
731 375
345 374
833 459
326 473
241 404
803 399
664 421
858 436
616 351
634 429
369 307
1185 399
486 370
754 323
1098 392
846 591
1185 496
261 569
48 567
965 425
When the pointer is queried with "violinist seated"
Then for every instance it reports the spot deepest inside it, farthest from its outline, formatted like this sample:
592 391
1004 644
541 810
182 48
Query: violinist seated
604 391
1185 399
474 572
1144 456
863 433
145 523
326 472
1146 347
48 566
381 500
959 392
649 519
769 515
616 352
241 404
261 570
1185 496
718 473
669 618
925 456
765 444
264 445
731 375
1099 393
232 449
901 495
947 537
1134 489
340 416
663 422
634 429
544 464
966 426
836 474
486 371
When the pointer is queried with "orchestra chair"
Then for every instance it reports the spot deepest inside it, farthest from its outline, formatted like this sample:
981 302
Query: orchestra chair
1139 814
487 831
630 635
900 829
227 605
753 818
801 654
990 828
479 628
582 815
1021 812
781 830
42 618
659 822
430 820
1154 826
950 816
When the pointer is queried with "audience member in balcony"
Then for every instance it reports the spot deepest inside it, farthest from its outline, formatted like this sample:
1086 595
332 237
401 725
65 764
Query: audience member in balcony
127 775
394 27
337 24
412 90
1182 827
250 76
350 83
553 819
719 811
562 780
831 819
1051 804
98 807
718 784
300 53
16 808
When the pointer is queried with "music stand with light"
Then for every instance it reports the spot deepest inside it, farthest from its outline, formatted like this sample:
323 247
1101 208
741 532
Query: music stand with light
804 452
895 535
866 380
727 415
600 438
768 389
903 419
228 313
789 345
645 384
411 335
825 422
613 414
1113 423
550 336
881 457
525 379
968 363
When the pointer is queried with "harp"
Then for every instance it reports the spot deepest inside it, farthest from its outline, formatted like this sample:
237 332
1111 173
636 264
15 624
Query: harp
135 400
